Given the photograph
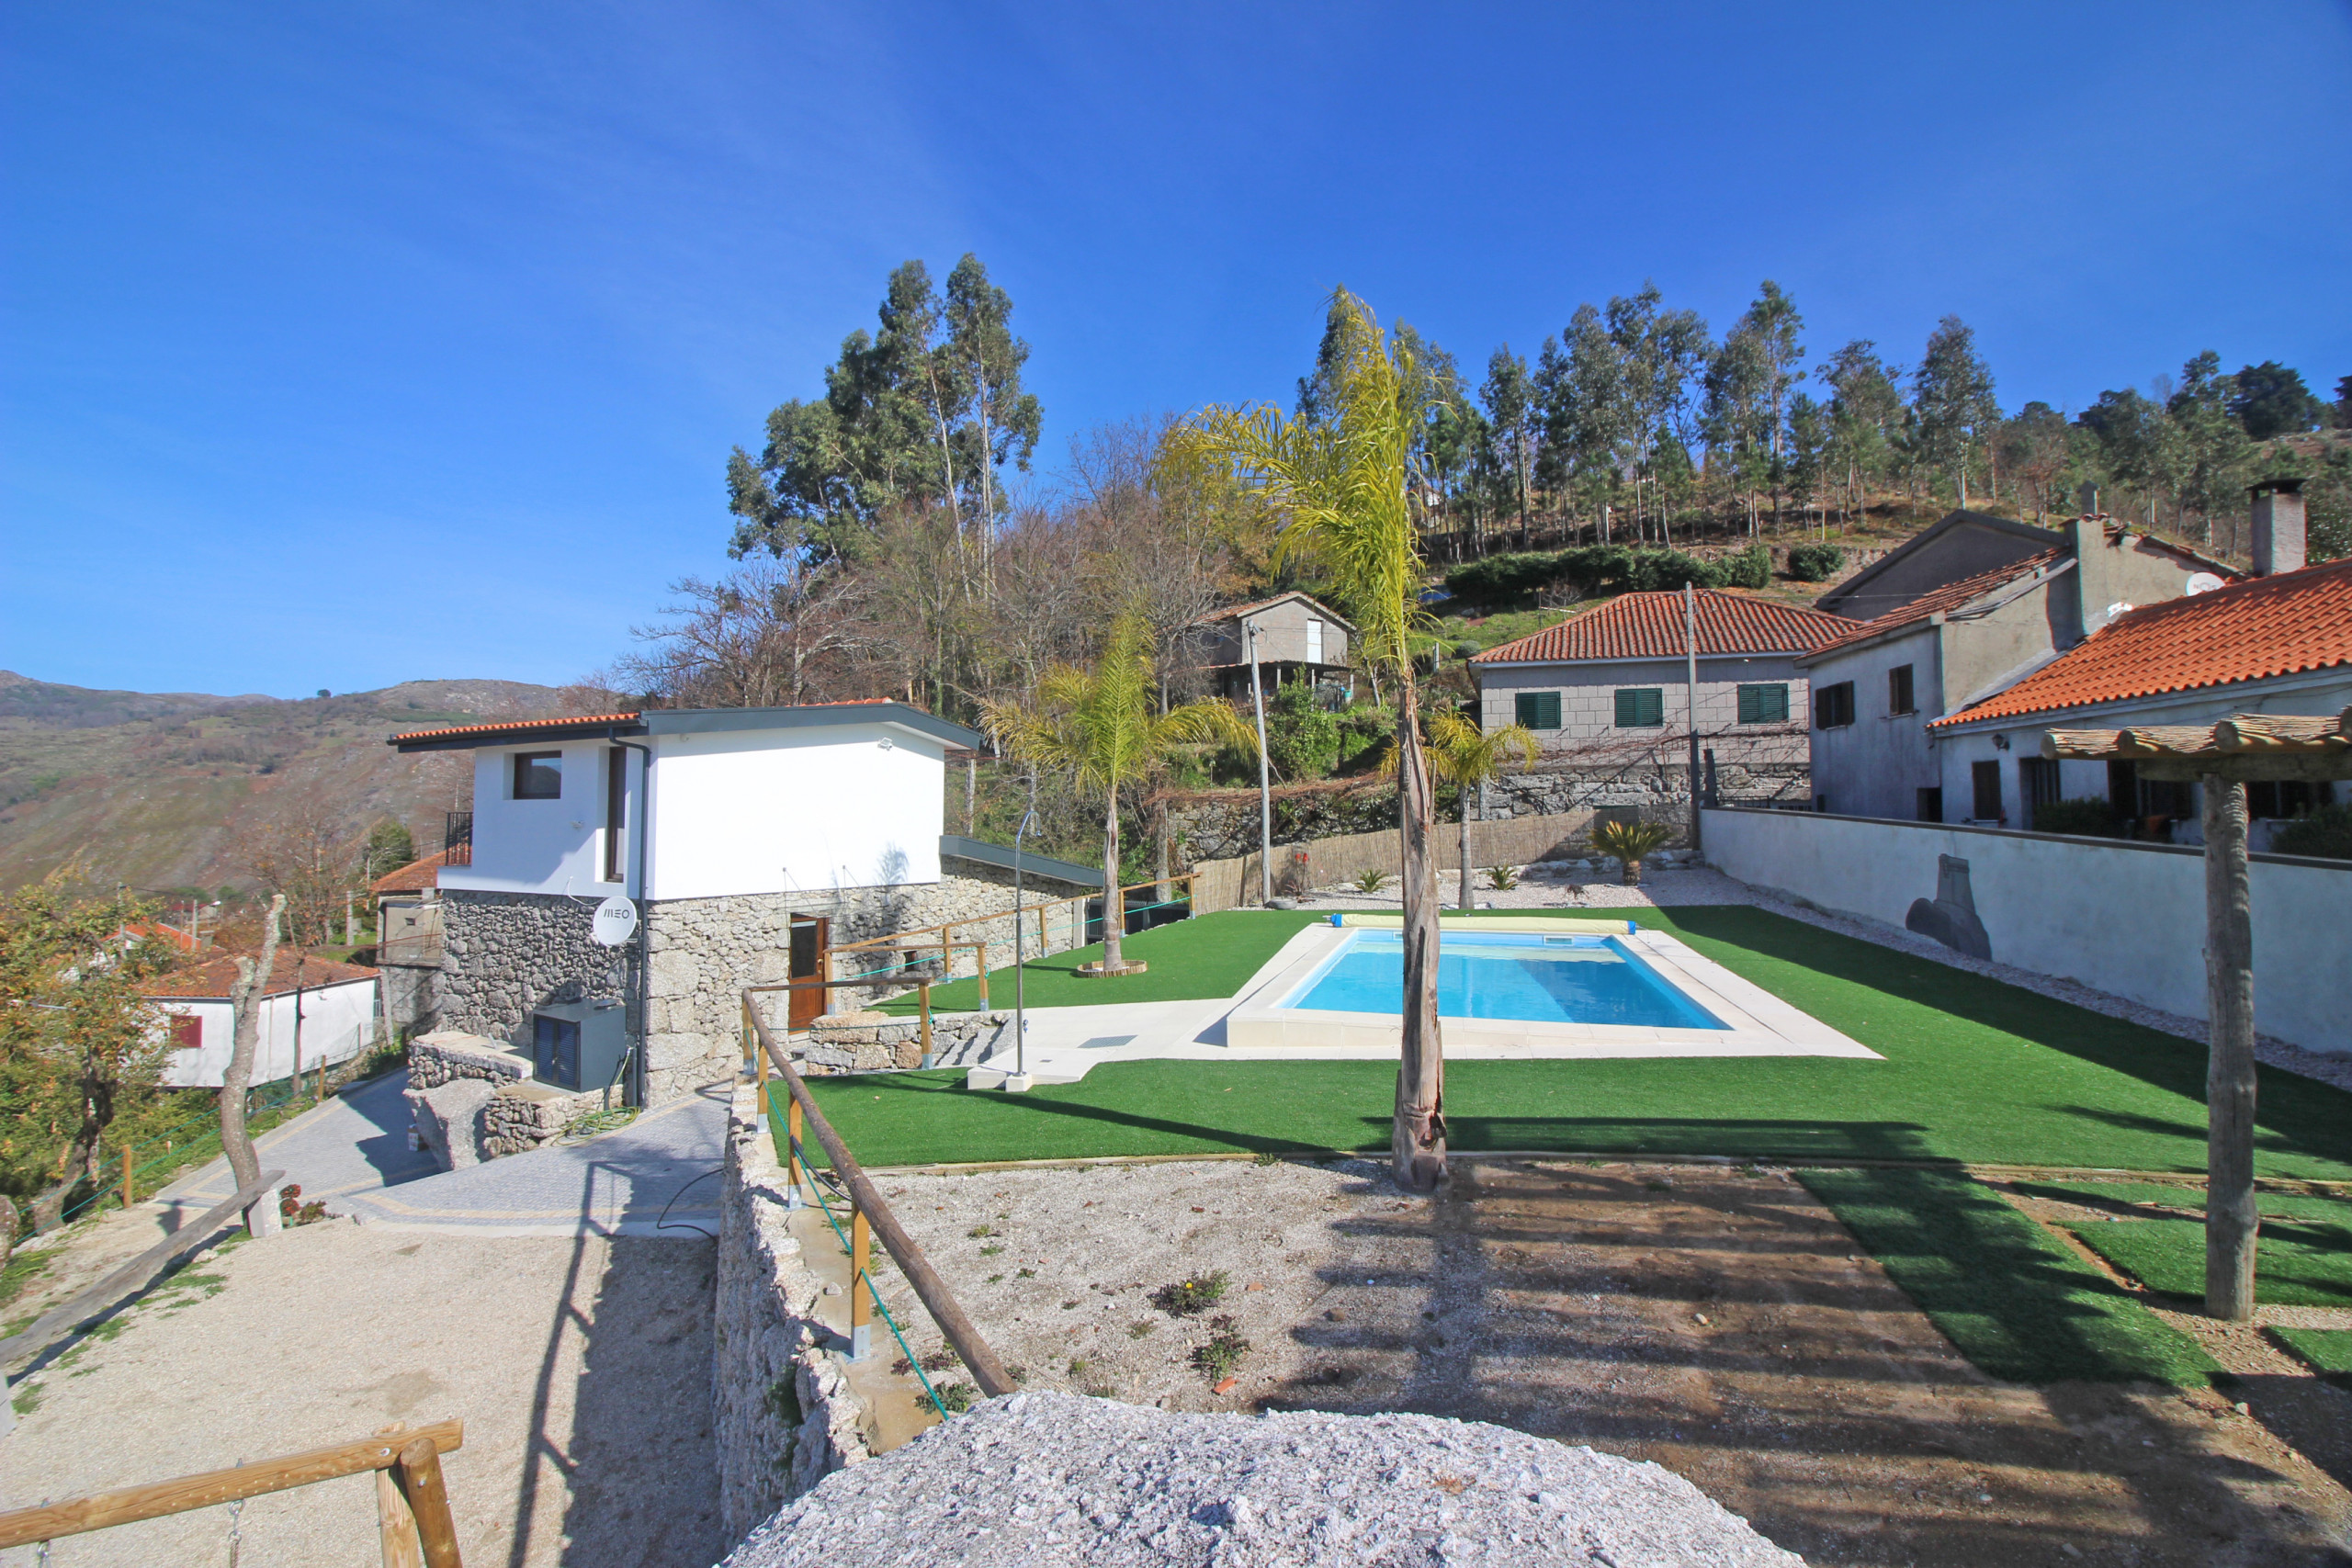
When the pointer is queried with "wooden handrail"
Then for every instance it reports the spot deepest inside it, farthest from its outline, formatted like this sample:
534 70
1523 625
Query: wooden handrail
54 1324
937 1299
404 1450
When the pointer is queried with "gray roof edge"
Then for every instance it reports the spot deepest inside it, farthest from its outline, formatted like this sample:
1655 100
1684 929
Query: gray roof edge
2046 537
698 721
985 853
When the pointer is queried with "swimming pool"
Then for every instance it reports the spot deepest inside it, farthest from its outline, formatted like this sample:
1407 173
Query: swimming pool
1504 974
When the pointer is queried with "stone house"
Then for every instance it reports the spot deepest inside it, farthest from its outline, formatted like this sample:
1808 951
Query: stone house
2277 643
1298 638
408 943
1968 632
1607 695
750 841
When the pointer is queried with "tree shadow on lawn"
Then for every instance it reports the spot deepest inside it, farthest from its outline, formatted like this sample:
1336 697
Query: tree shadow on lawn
2302 1114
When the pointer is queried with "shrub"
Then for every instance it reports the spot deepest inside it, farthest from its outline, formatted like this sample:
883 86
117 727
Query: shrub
2088 817
1629 842
1502 878
1371 881
2325 833
1187 1298
956 1397
1816 563
1221 1357
1302 736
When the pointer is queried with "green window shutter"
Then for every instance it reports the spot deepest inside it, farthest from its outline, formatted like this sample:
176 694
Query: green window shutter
1763 703
1641 708
1538 710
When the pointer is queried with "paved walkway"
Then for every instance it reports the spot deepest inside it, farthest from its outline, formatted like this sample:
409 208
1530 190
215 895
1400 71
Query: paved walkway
654 1177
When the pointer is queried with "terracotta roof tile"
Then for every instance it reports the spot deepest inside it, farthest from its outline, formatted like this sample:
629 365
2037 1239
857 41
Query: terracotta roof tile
520 725
2247 631
210 979
1649 625
414 878
1950 597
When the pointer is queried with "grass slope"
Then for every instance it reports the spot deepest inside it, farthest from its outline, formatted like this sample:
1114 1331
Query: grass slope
1976 1070
2296 1262
2014 1301
1191 960
2327 1351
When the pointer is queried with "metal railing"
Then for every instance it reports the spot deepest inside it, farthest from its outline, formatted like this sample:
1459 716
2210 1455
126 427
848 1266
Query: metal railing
457 839
869 1216
1088 928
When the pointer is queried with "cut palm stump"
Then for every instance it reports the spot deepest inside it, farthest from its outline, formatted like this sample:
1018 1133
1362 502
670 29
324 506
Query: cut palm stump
1098 970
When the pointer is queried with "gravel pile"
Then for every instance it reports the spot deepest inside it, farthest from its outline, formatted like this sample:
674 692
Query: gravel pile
1057 1479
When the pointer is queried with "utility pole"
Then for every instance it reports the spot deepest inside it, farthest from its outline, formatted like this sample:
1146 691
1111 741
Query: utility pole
1265 789
1690 688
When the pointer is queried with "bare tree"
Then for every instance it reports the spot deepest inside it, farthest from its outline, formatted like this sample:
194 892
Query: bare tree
247 994
774 632
311 853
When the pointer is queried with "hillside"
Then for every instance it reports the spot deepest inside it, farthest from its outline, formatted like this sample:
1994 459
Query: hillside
155 789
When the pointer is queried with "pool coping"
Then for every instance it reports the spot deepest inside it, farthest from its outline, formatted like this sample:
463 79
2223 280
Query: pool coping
1760 1024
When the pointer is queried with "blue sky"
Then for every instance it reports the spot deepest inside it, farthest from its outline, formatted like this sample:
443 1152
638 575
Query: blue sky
343 344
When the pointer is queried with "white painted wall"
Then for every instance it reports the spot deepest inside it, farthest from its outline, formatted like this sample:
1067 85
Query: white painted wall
338 1023
795 810
2126 919
734 811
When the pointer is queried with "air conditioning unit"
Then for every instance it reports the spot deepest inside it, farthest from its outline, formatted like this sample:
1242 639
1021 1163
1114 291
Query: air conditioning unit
578 1045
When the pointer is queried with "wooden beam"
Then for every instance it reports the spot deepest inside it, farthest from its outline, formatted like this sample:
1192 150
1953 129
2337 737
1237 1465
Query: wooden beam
2252 767
23 1527
428 1500
2232 1221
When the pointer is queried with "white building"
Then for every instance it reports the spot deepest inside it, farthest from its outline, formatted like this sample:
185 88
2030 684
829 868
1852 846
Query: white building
315 1011
752 840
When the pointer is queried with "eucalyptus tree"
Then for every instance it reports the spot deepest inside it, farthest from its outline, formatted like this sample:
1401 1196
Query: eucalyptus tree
924 410
1952 392
1737 411
2034 446
1773 322
1103 726
1587 406
1510 414
1865 411
2210 447
1342 481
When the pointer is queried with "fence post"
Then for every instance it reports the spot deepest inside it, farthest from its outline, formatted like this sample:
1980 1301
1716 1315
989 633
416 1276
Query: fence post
760 1065
792 1153
922 1001
126 1176
428 1500
861 1298
983 961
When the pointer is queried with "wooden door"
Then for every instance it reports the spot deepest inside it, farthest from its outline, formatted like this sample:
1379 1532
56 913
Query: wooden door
807 964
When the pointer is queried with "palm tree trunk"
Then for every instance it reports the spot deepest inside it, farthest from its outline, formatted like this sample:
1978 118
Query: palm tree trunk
1417 1140
1114 916
1465 846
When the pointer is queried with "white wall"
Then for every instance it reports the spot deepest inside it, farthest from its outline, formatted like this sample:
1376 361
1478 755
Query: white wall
2126 919
795 810
734 811
338 1023
1877 765
538 846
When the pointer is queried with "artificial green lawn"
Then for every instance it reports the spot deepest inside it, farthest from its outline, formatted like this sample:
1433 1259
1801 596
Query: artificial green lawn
1976 1071
2124 1195
1213 955
2327 1351
2002 1288
2296 1262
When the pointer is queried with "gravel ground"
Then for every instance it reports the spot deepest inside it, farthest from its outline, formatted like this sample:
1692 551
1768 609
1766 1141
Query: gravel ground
1549 888
581 1368
1052 1479
1716 1321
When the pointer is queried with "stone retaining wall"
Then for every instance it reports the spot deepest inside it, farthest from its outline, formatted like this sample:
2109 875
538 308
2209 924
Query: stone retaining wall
784 1414
878 1042
520 1113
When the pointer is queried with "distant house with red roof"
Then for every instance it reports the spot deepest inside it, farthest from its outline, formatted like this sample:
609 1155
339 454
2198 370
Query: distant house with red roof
315 1009
1608 689
1966 610
2280 644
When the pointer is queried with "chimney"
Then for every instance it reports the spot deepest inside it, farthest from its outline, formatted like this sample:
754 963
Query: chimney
2098 570
2086 499
2277 526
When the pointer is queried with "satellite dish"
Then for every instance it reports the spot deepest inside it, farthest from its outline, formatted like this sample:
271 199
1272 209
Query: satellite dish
2204 582
616 922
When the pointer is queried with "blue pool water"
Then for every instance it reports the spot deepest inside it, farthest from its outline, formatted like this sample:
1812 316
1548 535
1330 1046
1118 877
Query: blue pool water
1546 979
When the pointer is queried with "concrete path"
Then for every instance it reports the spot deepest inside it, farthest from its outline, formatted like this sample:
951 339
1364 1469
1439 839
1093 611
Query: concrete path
653 1177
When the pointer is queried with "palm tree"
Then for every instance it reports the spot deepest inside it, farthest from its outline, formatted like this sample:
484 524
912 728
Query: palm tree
1342 481
1465 756
1103 727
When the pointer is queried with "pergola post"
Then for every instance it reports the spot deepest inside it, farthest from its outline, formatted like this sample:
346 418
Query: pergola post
2230 1220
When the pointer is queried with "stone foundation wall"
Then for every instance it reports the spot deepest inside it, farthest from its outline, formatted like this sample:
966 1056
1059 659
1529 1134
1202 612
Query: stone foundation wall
877 1041
783 1408
520 1114
506 956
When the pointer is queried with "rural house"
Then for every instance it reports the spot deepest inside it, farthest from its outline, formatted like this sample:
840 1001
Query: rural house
1605 691
1964 637
751 841
1299 638
2280 643
315 1011
408 940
